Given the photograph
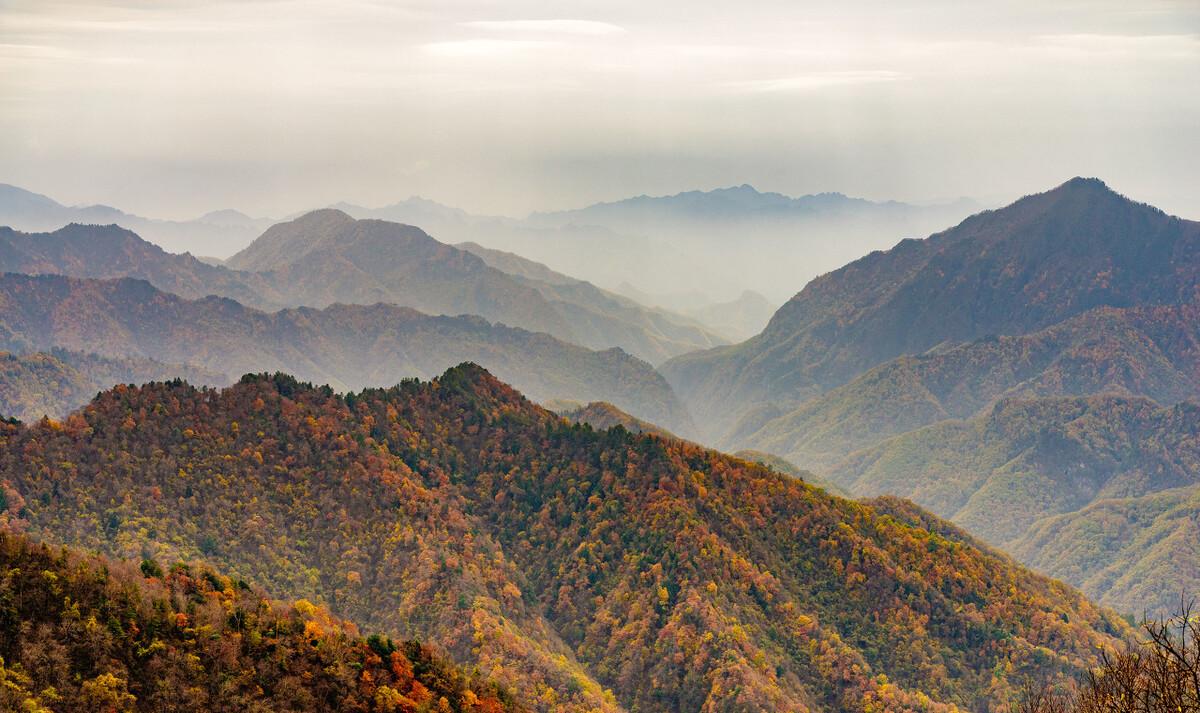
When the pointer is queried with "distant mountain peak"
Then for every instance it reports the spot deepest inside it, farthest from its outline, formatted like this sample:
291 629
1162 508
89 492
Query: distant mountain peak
324 214
1085 183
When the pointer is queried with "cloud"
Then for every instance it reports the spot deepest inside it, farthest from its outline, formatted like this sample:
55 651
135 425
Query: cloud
486 48
558 27
817 80
1182 46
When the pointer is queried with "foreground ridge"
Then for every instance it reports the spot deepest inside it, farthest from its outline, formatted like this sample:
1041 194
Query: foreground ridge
581 569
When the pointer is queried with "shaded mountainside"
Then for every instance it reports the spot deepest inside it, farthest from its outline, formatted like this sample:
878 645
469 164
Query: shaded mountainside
1152 352
349 346
1005 476
1136 554
559 560
1043 259
81 632
57 382
602 318
111 251
218 233
326 257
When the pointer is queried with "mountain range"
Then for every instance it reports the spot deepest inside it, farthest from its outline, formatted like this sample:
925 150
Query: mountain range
1018 269
1138 351
579 569
719 242
346 346
1020 475
219 233
1030 374
326 257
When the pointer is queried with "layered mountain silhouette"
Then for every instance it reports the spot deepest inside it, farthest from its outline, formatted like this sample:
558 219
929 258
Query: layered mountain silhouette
599 317
218 233
111 251
1029 374
348 346
721 242
326 257
580 569
1043 259
1140 351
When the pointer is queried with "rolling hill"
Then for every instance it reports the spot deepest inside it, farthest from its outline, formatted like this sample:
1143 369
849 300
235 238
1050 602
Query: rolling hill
582 570
82 632
1015 270
349 346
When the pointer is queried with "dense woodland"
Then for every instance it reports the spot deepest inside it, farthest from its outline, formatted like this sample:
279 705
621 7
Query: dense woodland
581 569
80 632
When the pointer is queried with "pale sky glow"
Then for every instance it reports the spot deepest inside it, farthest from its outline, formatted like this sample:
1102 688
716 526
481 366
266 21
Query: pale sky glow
176 107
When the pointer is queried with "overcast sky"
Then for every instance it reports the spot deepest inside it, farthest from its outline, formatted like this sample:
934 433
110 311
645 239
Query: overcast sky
175 107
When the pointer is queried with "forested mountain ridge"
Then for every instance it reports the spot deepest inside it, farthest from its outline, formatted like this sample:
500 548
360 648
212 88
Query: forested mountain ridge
1142 351
349 346
559 560
1041 476
82 632
1036 262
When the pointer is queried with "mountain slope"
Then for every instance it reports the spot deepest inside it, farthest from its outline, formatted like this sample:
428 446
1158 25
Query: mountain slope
1041 260
339 260
1135 554
57 382
1152 352
721 242
81 632
326 257
601 318
110 251
218 233
349 346
999 474
556 558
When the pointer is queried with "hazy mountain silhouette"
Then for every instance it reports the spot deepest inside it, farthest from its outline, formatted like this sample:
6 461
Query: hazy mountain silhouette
1013 270
348 346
